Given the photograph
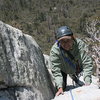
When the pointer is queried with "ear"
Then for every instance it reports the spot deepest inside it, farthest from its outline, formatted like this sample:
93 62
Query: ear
73 37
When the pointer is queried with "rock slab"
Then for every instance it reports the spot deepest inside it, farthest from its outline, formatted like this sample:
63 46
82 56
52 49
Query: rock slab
23 74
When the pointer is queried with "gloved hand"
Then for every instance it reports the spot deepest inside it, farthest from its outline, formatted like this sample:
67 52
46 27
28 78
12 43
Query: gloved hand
60 91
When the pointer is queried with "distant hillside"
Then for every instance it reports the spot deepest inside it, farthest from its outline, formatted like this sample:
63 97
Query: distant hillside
40 18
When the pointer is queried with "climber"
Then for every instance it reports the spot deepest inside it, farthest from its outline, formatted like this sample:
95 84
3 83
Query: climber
69 55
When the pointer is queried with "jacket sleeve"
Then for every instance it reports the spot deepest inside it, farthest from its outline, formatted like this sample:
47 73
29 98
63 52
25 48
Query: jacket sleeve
56 71
87 63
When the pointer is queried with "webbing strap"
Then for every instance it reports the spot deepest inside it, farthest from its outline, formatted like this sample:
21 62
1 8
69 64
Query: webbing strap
71 94
68 61
65 58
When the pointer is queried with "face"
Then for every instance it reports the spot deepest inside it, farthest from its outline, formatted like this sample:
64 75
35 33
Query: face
66 43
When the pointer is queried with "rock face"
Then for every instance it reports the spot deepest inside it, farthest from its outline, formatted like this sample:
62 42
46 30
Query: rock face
81 93
91 92
48 65
93 40
93 31
23 75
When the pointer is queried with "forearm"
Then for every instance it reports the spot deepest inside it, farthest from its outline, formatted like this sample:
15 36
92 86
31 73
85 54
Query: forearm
88 70
58 79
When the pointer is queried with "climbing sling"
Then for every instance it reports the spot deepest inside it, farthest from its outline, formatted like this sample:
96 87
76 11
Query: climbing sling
74 66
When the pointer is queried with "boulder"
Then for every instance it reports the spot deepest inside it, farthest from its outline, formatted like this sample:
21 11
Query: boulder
23 74
93 41
81 93
48 65
91 92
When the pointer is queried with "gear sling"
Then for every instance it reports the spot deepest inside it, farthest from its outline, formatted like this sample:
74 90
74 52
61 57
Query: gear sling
75 66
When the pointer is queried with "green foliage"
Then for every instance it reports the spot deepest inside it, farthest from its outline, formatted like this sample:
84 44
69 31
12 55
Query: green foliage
40 18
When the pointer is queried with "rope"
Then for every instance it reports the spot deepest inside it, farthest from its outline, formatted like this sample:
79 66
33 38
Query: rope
71 94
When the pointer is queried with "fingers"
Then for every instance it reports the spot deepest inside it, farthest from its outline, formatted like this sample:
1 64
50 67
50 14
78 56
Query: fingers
87 84
60 91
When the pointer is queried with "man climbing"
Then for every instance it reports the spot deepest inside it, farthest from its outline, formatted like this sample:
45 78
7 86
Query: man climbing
69 55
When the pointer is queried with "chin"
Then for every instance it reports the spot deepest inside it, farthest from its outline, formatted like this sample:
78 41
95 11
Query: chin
68 49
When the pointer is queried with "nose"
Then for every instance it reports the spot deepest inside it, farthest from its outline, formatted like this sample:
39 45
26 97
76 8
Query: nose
67 46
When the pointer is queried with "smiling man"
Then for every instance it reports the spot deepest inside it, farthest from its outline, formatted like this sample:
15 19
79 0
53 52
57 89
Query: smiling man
69 55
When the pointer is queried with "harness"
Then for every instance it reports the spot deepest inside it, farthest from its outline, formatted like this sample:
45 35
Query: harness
75 66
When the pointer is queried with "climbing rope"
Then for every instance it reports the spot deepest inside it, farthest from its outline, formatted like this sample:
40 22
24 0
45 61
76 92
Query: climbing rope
71 94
